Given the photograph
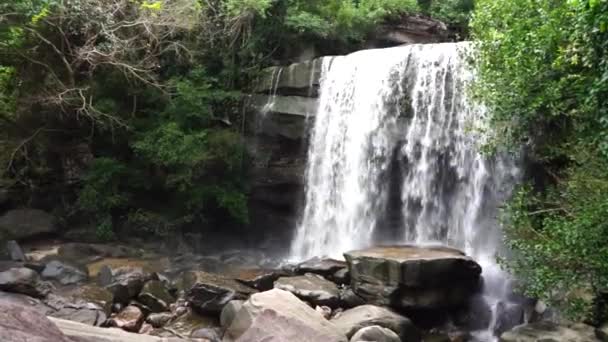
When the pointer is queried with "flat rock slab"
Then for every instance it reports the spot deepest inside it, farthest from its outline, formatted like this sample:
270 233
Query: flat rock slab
411 277
311 288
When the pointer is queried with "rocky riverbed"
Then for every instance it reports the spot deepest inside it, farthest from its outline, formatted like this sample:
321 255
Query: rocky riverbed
94 292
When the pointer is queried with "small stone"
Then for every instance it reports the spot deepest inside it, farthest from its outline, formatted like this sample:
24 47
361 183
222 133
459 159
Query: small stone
129 319
158 320
324 311
376 334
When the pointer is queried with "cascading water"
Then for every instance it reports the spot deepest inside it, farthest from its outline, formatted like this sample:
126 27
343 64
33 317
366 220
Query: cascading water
393 157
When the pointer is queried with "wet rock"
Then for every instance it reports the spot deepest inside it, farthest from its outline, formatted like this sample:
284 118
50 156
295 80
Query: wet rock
311 288
279 315
208 293
229 312
350 299
158 320
477 315
341 277
64 273
155 296
549 332
26 223
353 320
23 280
508 316
20 324
375 333
323 267
15 252
127 283
129 319
209 334
409 277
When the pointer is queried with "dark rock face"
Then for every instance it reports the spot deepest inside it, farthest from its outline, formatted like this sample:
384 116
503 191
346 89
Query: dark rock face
14 251
550 332
414 278
20 324
353 320
311 288
278 315
375 333
128 283
508 316
26 223
64 273
23 280
208 293
155 296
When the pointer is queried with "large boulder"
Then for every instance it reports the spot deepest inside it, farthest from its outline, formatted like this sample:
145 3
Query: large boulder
23 324
156 296
311 288
278 315
23 280
25 223
375 333
64 273
128 282
550 332
208 293
353 320
409 277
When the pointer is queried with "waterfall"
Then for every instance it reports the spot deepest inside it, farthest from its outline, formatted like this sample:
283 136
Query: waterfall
394 157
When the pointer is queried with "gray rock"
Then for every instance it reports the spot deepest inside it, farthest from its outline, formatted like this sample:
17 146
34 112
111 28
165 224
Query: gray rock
127 283
375 333
508 316
324 267
353 320
208 293
105 276
341 277
229 312
23 280
76 310
64 273
156 296
158 320
550 332
311 288
15 252
350 299
409 277
26 223
278 315
23 324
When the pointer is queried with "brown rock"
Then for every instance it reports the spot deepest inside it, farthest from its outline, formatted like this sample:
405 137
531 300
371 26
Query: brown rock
129 319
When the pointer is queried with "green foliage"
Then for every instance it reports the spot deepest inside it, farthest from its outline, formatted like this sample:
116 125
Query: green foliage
542 70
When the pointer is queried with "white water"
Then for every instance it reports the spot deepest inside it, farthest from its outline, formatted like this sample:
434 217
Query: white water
394 158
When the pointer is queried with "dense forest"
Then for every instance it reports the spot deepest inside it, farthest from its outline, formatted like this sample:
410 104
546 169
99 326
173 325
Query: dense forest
108 106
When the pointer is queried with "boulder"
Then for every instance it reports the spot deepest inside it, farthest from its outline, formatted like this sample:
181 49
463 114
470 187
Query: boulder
550 332
508 316
64 273
311 288
477 315
409 277
279 315
350 299
23 324
375 333
23 280
158 320
76 310
324 267
156 296
129 319
353 320
26 223
128 282
341 277
208 293
15 252
229 312
105 276
259 280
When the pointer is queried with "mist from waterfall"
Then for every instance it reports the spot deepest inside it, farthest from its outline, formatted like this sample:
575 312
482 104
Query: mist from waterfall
394 157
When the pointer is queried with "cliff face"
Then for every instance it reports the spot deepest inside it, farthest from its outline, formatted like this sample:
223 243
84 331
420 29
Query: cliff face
282 106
